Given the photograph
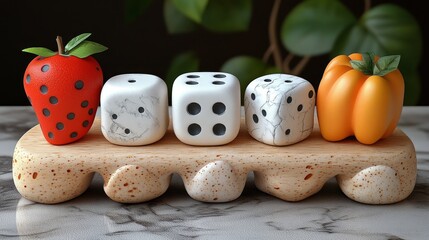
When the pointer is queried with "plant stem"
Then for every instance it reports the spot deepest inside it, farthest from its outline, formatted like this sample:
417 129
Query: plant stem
286 63
274 49
272 30
300 66
367 5
60 45
267 54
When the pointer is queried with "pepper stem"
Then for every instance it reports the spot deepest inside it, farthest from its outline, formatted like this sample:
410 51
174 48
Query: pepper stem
60 45
370 66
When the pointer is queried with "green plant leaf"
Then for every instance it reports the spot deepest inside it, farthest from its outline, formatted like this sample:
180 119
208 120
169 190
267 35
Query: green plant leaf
272 69
192 9
385 29
182 63
386 64
388 29
227 15
175 21
246 69
76 41
313 26
134 8
40 51
87 48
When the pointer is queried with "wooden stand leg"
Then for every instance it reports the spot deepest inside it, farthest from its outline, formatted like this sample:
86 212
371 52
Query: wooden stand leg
133 184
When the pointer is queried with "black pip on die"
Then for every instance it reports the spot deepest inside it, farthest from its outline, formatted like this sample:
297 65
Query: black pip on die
134 109
206 108
279 109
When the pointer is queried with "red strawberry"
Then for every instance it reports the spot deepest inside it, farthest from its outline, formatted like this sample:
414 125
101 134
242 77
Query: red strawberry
64 88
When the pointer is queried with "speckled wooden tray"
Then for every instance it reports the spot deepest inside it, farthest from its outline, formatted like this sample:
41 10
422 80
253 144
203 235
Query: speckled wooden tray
378 174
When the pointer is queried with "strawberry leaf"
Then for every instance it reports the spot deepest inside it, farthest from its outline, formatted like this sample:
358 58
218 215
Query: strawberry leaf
87 48
41 51
76 41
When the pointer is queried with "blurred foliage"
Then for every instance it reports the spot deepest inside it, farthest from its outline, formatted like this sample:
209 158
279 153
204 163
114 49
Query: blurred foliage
182 63
311 28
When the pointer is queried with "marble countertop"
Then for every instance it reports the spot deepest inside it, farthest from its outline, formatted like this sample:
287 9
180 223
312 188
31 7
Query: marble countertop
329 214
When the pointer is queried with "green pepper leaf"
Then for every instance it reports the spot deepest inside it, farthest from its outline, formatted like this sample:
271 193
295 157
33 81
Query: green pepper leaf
76 41
362 66
386 64
175 21
40 51
192 9
369 66
366 65
313 26
87 48
227 15
369 57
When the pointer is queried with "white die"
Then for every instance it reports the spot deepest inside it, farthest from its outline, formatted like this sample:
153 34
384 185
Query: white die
206 108
134 109
279 109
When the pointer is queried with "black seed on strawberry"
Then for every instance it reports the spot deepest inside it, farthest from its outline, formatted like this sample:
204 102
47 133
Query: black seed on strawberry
46 112
28 78
85 123
78 84
70 116
60 126
44 89
84 104
53 100
50 135
73 134
91 111
45 68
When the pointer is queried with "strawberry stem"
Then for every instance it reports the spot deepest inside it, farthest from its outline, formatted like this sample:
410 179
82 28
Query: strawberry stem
60 45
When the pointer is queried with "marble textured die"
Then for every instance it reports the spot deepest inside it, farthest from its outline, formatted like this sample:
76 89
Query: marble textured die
279 109
134 109
206 108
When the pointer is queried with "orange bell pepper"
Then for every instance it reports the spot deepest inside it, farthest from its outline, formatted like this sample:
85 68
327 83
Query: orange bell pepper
360 95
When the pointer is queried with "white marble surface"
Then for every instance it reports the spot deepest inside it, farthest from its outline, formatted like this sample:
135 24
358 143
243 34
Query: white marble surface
328 214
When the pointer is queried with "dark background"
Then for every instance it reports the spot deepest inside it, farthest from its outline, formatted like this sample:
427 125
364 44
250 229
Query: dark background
144 46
